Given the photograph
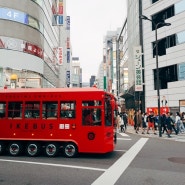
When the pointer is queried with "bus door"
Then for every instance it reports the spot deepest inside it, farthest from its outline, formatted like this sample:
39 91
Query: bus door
92 127
110 121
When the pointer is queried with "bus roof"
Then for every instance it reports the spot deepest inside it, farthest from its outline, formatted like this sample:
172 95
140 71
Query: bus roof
25 90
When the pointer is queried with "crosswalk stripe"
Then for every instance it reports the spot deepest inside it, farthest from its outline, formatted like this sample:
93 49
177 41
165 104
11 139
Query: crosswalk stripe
124 135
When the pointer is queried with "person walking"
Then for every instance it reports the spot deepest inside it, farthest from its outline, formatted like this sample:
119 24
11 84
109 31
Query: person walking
118 122
163 123
181 123
125 120
173 123
178 123
168 124
183 118
122 125
151 122
138 120
144 126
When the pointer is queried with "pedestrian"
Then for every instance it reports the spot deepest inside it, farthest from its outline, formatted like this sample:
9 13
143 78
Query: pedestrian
151 122
124 117
168 124
138 120
144 126
181 123
173 123
122 125
163 123
183 118
135 120
118 122
178 123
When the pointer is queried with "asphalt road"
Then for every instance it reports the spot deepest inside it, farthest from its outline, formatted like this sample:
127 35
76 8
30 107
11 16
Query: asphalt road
137 159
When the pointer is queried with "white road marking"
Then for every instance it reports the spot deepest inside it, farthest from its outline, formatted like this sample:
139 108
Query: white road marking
124 139
124 135
180 140
110 176
51 164
120 150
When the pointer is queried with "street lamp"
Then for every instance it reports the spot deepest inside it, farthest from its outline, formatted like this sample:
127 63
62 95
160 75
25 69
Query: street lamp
157 66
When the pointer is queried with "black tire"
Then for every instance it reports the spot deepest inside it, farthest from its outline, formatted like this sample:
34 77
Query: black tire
33 149
70 150
52 149
15 148
2 148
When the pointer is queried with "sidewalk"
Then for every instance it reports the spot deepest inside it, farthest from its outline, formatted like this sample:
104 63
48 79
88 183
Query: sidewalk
179 137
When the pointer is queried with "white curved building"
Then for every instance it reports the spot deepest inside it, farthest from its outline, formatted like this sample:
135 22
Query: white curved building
31 33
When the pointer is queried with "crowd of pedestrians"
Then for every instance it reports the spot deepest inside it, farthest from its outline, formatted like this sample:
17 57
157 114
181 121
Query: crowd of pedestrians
147 123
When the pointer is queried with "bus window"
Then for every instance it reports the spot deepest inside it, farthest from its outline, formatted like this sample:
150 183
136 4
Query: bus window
108 113
91 103
32 110
49 109
91 117
15 110
2 109
68 109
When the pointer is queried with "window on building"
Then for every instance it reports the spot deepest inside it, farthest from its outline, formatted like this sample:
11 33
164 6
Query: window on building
153 1
180 37
163 44
162 16
180 6
166 74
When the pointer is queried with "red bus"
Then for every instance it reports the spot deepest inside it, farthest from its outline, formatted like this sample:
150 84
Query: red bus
71 120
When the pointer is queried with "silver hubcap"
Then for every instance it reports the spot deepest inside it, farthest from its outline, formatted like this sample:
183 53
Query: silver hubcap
32 149
14 149
51 149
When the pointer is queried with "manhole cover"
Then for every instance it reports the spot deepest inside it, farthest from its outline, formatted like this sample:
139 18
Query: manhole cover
180 160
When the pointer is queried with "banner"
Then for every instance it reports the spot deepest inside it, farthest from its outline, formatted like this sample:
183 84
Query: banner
138 68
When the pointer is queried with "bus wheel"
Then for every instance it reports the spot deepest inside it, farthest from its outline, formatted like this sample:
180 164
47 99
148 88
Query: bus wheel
70 150
2 148
15 149
33 149
52 149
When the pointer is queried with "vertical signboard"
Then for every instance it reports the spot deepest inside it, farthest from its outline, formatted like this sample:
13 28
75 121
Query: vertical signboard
68 56
68 78
138 68
57 9
60 55
60 12
68 23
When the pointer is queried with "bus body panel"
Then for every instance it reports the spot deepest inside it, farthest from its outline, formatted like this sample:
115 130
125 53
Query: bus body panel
90 139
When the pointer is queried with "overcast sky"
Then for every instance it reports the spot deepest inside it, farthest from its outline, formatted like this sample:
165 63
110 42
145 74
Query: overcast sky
90 21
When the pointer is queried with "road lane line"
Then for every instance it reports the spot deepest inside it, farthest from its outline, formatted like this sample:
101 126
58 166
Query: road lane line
120 150
51 164
126 139
110 176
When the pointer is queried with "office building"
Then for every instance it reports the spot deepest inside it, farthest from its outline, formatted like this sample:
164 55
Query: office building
34 43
